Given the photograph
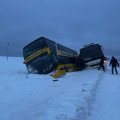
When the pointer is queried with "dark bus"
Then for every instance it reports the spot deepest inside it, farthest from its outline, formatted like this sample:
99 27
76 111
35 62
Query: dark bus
91 54
43 56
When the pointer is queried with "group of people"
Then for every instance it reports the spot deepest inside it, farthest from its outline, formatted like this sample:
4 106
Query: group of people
113 62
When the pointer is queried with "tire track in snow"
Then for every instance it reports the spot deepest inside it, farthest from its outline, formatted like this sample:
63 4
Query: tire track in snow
107 105
85 110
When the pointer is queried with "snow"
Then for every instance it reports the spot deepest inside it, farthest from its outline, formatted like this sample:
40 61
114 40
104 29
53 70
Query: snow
107 105
88 94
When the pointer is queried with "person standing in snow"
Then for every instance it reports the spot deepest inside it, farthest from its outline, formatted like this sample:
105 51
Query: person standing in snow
114 64
81 63
102 63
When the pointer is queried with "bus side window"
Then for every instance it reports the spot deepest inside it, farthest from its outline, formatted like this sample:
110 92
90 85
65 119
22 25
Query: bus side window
49 50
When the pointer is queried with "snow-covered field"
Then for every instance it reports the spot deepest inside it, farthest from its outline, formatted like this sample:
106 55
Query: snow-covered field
75 96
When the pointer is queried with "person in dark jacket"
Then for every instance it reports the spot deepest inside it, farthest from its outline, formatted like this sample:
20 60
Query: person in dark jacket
102 60
80 63
114 64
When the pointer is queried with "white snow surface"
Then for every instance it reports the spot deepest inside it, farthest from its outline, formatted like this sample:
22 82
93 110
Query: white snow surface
88 94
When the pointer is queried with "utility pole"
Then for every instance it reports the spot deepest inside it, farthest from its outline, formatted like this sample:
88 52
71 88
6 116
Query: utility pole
7 49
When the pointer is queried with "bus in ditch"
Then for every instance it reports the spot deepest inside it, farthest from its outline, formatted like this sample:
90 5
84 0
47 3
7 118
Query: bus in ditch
91 54
44 56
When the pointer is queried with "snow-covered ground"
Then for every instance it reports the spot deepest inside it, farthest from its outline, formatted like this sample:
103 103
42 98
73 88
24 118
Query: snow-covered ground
88 94
107 105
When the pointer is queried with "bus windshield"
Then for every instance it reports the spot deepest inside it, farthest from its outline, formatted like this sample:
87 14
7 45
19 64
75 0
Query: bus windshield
33 47
91 52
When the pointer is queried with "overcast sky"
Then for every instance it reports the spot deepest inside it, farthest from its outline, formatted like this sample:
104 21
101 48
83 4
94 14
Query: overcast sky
72 23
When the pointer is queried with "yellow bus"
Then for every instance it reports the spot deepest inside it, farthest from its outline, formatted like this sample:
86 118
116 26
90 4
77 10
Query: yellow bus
44 56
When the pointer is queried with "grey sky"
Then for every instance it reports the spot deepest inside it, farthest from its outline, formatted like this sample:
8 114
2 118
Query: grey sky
72 23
